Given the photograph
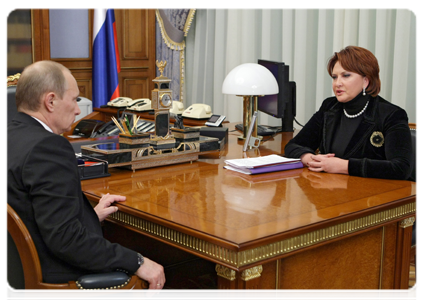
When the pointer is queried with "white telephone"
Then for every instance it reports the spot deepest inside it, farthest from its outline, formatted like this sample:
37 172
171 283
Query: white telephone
119 102
177 107
198 111
141 104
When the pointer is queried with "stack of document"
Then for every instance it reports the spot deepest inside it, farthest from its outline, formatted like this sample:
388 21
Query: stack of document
263 164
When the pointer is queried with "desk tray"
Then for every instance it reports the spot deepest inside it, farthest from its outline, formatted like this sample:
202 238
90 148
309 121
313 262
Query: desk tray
90 167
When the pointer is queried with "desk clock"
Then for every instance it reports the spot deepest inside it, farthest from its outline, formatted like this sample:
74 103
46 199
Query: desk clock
161 102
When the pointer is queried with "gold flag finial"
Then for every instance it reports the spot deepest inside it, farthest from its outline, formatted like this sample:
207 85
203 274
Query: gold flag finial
161 65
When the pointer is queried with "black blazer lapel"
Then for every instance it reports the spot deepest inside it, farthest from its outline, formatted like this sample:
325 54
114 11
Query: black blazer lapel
330 121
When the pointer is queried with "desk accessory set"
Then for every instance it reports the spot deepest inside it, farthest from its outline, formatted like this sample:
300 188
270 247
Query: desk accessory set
167 146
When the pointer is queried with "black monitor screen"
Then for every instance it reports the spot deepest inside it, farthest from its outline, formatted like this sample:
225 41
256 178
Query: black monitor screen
281 105
274 105
269 105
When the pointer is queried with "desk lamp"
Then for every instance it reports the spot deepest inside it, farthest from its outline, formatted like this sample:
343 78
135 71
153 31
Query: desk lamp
250 81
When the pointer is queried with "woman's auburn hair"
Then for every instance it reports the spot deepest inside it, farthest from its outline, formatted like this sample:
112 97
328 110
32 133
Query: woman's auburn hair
361 61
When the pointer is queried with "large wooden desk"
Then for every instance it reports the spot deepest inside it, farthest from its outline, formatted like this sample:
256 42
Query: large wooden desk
286 230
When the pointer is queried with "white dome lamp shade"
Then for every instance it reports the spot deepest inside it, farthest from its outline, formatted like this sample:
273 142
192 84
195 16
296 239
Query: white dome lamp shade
250 81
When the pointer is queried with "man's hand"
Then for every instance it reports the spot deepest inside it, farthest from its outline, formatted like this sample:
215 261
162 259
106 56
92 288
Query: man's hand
104 208
153 273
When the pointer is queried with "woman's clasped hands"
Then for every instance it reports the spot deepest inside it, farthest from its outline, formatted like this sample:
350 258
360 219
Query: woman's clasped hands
325 163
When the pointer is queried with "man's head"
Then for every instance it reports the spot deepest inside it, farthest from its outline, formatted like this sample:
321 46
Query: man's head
48 91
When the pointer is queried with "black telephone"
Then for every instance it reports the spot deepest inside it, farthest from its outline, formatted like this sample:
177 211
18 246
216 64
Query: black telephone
86 128
108 129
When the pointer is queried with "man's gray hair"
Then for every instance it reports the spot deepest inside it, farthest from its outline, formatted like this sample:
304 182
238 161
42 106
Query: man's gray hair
38 79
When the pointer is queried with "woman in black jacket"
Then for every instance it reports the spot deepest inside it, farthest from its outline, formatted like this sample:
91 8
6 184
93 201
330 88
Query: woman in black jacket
356 132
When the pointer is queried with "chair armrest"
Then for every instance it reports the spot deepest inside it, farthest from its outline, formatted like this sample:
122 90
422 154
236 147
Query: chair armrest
75 291
112 280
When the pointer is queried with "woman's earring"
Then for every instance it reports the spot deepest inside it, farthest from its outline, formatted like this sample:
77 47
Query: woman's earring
364 91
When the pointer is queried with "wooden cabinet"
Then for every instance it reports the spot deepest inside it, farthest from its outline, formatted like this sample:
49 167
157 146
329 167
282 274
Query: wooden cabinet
136 42
136 30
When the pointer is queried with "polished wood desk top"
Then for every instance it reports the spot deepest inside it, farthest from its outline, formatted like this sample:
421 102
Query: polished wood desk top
249 213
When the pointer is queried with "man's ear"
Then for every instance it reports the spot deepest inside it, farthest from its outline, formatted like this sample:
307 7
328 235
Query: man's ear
48 101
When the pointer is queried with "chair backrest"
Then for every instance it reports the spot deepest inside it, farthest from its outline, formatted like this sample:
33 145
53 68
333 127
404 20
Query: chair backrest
414 146
26 248
15 275
10 104
12 81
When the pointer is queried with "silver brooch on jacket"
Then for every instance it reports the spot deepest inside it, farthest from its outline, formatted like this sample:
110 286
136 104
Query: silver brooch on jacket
377 139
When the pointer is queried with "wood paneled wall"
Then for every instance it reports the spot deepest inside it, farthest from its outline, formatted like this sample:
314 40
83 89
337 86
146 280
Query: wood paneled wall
137 51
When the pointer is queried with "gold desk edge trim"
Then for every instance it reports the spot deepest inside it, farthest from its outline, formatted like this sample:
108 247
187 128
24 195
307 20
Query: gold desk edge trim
250 256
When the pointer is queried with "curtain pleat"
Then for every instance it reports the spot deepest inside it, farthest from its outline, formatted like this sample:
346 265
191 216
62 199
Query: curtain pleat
304 39
400 78
172 26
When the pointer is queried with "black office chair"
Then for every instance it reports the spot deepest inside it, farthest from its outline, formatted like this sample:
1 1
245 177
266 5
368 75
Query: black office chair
24 268
10 100
415 141
415 176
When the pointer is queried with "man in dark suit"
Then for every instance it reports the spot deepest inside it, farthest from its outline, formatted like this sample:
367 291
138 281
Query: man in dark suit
45 190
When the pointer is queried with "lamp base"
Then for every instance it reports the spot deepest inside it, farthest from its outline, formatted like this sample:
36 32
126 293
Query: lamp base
250 105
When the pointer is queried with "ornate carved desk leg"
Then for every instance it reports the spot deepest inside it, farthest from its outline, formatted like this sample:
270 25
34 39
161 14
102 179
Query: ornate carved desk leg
402 267
251 278
230 279
225 278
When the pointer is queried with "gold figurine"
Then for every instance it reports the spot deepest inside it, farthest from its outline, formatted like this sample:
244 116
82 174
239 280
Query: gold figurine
161 65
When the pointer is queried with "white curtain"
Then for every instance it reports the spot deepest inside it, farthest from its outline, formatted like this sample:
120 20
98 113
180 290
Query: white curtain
222 39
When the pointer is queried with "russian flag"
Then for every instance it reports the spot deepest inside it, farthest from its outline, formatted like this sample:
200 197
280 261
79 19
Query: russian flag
106 64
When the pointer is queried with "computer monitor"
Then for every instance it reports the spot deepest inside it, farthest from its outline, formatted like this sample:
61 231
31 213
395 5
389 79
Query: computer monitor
282 105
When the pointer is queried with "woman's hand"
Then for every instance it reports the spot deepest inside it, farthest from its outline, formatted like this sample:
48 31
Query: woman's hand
104 208
306 158
327 163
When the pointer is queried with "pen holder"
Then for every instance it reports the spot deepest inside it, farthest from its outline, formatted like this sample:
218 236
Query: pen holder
128 141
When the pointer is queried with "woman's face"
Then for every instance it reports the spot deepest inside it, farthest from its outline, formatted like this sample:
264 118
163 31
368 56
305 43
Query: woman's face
347 85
